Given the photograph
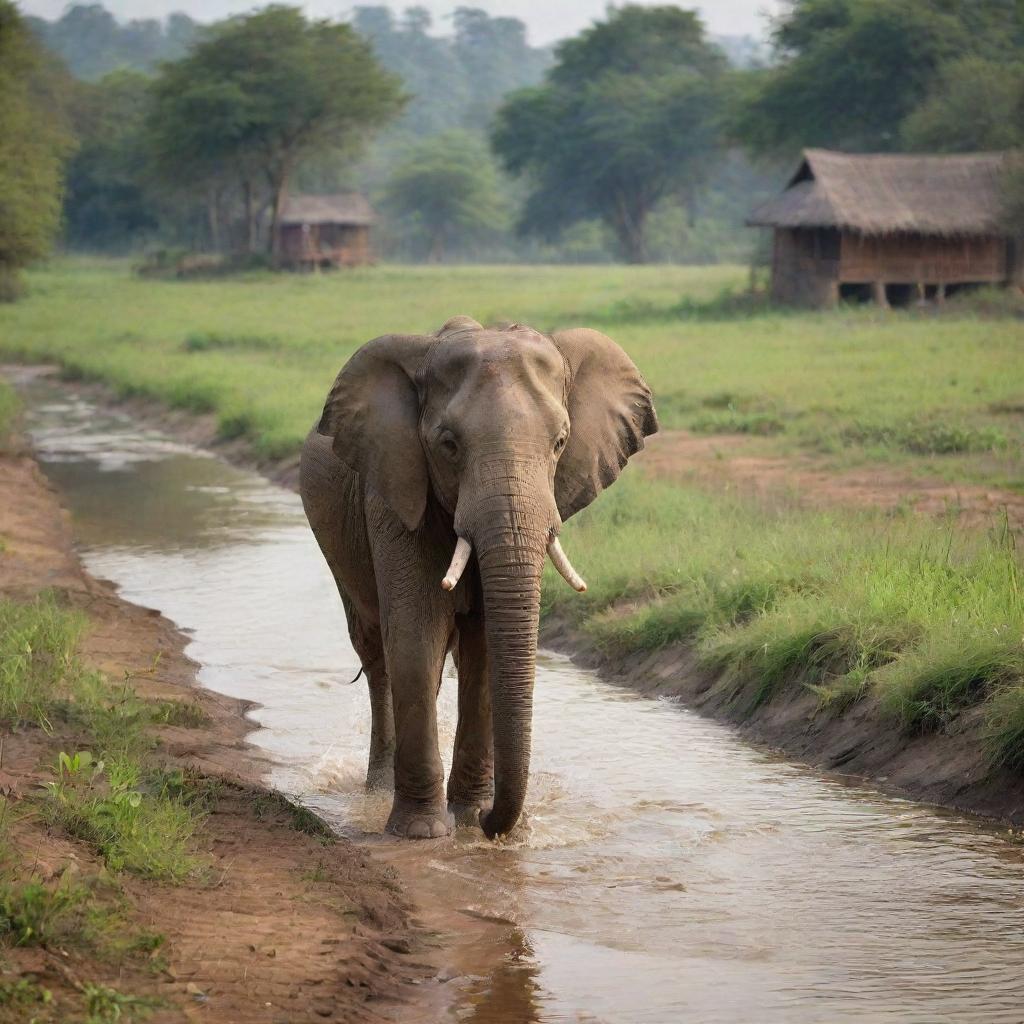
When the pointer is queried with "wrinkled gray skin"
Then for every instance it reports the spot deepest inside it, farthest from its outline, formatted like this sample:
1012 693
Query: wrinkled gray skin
493 436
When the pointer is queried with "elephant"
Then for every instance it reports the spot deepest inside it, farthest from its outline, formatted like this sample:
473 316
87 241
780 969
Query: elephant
436 482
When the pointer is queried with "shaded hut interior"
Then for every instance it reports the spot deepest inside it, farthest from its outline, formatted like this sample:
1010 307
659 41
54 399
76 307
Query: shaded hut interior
890 228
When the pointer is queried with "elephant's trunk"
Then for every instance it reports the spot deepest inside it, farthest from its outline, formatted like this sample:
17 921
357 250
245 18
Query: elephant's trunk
511 560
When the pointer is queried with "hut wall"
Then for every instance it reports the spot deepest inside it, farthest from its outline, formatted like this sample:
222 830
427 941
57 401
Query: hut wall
805 266
319 244
925 259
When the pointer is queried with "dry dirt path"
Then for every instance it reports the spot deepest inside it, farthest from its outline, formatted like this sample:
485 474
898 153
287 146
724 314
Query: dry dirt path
722 461
284 927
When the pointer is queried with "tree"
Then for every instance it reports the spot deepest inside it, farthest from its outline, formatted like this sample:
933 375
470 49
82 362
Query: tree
625 118
33 144
92 44
447 190
263 92
107 203
850 72
972 106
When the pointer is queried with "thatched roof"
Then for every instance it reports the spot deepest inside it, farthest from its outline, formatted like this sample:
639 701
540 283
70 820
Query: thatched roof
879 194
342 208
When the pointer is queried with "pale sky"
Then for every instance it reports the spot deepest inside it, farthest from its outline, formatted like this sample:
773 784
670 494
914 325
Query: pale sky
547 20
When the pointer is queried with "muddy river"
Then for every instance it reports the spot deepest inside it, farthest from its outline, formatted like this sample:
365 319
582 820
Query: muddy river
669 872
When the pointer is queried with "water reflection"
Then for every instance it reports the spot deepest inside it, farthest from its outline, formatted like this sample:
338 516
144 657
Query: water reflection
668 872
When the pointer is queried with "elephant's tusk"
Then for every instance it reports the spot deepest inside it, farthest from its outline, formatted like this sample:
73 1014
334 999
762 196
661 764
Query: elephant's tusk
463 549
560 560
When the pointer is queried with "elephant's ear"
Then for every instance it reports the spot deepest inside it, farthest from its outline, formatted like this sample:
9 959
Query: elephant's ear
372 417
611 411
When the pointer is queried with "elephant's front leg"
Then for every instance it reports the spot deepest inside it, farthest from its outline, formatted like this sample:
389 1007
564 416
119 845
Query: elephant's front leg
471 781
415 659
416 623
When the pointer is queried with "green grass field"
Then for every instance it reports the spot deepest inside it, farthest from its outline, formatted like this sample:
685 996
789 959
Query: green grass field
941 394
924 616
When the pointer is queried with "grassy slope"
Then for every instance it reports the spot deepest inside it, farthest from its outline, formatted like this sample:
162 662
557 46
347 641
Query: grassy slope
921 615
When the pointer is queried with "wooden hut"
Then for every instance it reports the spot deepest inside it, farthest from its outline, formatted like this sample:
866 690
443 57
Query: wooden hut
896 228
325 231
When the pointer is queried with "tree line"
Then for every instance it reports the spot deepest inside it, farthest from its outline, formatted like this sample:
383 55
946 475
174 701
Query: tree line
623 140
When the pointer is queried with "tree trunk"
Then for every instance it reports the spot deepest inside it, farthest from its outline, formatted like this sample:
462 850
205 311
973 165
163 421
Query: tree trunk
629 223
250 217
436 253
280 188
213 218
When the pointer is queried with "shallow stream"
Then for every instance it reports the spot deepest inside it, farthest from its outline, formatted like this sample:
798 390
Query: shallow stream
669 872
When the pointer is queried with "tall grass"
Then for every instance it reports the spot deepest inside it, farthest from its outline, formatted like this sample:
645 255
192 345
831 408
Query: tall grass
924 617
37 645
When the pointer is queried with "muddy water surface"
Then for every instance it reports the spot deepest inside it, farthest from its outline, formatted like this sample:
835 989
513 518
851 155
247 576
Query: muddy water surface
668 873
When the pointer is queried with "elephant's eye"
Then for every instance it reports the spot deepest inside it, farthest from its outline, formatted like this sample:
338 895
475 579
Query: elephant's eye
560 444
449 446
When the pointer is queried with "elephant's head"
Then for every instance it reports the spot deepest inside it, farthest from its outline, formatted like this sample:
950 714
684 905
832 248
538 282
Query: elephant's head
511 432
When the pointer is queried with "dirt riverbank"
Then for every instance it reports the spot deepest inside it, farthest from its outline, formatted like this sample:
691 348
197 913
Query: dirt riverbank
946 768
285 924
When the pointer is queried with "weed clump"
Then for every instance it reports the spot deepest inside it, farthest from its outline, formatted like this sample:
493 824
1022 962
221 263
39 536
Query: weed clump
146 833
926 438
37 644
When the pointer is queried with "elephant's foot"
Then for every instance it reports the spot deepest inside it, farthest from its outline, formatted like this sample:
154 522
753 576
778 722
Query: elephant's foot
380 774
468 813
414 819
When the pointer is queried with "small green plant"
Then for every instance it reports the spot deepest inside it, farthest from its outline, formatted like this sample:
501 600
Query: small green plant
106 1005
188 714
33 914
134 831
23 994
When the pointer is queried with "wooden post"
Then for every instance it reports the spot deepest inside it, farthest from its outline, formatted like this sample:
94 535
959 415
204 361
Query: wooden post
920 293
878 294
940 294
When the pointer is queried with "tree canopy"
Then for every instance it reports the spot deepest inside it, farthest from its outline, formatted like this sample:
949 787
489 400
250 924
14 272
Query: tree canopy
447 190
262 92
850 73
33 144
627 116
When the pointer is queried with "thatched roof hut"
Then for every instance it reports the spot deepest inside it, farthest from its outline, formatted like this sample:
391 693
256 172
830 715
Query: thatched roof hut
321 231
893 224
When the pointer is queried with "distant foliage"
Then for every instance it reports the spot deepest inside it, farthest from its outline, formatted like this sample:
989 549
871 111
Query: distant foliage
108 203
446 191
92 43
627 117
33 144
850 73
975 104
456 81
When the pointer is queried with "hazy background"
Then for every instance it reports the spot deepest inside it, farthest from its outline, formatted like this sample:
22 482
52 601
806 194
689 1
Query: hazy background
545 21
